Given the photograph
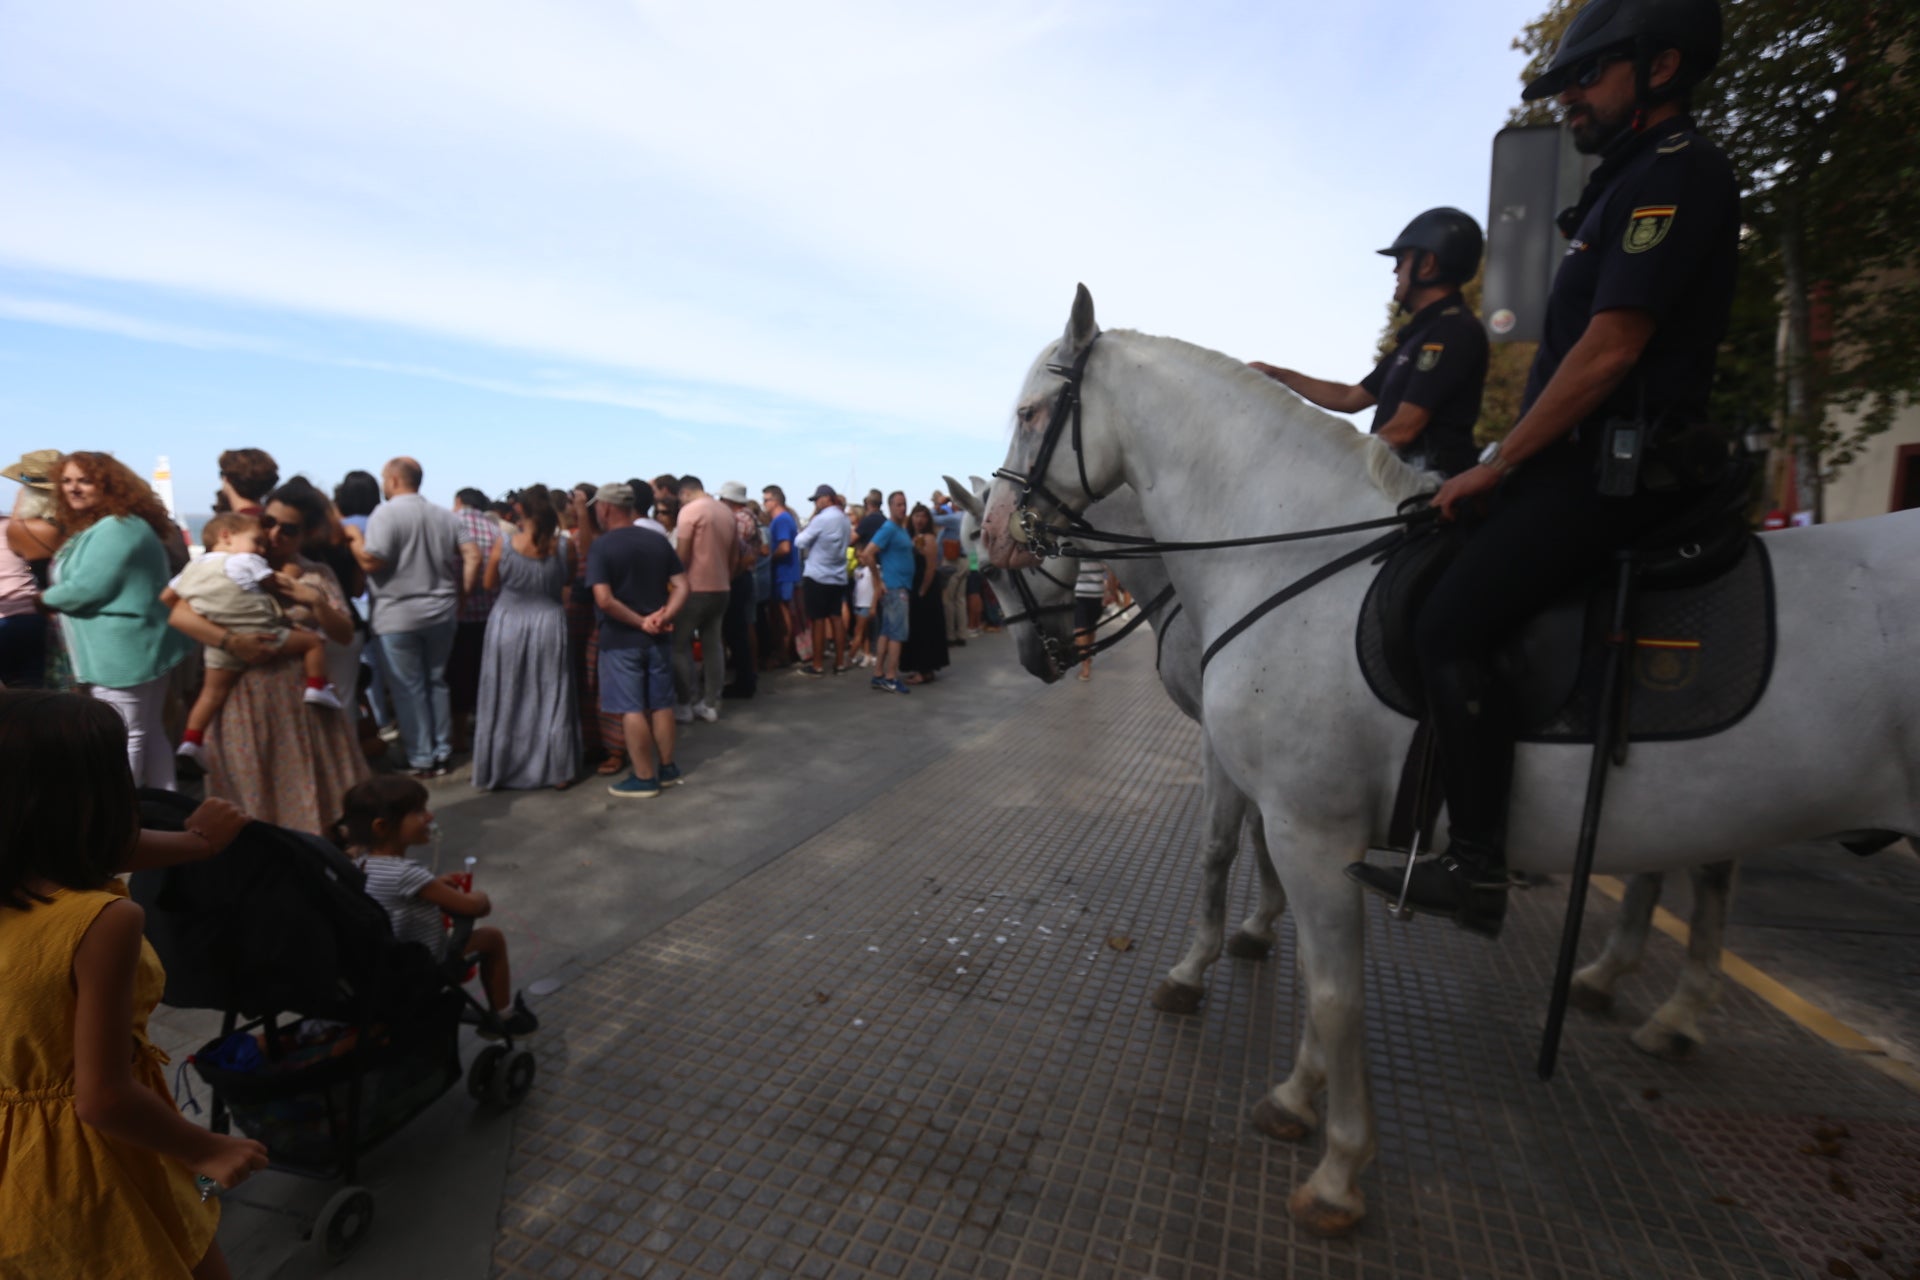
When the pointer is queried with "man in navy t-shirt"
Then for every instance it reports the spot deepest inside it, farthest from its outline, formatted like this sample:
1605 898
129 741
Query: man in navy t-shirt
638 585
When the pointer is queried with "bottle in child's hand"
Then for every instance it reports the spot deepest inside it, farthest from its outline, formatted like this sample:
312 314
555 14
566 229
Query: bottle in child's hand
228 1162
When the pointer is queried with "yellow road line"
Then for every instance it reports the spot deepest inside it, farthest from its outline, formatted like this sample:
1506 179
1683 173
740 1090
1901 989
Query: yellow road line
1781 997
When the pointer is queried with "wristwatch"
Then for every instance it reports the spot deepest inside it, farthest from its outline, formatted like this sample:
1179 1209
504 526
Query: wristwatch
1490 457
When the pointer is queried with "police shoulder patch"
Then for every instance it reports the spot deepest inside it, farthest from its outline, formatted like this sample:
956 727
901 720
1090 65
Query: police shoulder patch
1429 356
1647 226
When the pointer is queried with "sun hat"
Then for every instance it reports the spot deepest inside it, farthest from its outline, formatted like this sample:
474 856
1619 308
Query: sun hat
733 491
35 470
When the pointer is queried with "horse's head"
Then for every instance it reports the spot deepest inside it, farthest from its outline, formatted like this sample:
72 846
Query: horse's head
1054 466
1042 626
1039 601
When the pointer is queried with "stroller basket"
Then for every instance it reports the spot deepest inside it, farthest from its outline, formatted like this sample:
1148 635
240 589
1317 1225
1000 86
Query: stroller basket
301 1100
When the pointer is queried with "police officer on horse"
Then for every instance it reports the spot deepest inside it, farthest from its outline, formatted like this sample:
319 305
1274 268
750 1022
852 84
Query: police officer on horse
1612 441
1426 392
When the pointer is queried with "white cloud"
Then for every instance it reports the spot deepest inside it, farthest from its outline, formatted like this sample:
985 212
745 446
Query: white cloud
873 208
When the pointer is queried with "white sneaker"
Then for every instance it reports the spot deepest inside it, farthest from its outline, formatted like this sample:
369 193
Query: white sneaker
682 713
192 751
700 710
327 697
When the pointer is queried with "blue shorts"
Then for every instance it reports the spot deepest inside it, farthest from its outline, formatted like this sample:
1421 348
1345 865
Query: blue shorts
637 680
893 614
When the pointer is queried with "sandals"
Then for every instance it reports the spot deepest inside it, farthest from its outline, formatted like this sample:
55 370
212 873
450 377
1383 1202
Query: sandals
616 762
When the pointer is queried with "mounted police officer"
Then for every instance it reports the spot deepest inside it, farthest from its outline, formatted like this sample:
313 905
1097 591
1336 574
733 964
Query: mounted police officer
1612 439
1426 392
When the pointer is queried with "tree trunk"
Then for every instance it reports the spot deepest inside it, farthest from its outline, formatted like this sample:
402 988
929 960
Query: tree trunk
1803 422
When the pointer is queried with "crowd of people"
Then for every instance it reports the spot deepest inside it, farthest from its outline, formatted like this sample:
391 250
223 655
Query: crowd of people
320 659
553 633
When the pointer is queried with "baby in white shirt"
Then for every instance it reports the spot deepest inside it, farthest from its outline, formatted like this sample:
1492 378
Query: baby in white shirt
228 586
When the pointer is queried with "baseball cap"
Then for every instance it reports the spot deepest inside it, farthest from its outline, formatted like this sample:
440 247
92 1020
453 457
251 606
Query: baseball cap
824 491
617 493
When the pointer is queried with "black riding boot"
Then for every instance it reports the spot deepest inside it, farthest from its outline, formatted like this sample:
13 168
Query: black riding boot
1469 881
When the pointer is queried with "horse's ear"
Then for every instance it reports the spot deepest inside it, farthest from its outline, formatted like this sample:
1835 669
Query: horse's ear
980 487
969 502
1081 329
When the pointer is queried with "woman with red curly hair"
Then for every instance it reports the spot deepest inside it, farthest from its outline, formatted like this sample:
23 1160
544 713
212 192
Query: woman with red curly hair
117 551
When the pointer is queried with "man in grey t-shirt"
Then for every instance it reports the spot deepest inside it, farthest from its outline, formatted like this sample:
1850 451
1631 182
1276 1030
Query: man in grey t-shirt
414 554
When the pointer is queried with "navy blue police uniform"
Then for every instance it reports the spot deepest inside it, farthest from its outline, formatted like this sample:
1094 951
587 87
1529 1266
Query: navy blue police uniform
1438 363
1656 230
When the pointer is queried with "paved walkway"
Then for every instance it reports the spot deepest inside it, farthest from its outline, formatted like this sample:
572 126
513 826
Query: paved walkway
918 1045
868 998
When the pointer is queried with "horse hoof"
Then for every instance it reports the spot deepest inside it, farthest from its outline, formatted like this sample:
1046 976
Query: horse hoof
1320 1217
1665 1044
1244 946
1274 1120
1177 997
1589 999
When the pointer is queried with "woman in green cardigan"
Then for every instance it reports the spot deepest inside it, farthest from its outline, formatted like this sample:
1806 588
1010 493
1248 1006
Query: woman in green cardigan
107 579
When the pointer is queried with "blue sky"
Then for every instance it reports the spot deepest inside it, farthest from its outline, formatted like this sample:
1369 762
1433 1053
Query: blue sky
582 239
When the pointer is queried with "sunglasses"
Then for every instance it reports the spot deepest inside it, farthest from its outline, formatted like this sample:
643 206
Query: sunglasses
268 524
1588 73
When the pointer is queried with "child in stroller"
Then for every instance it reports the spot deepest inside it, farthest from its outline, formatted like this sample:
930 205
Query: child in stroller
387 815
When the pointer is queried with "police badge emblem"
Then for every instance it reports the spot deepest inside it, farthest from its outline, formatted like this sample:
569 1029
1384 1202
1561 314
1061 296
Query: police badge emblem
1647 226
1667 666
1429 356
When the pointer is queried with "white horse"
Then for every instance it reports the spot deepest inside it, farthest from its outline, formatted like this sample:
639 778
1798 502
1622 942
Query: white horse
1672 1031
1224 807
1216 450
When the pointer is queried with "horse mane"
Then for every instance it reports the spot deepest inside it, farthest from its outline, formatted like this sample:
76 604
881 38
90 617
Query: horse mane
1395 479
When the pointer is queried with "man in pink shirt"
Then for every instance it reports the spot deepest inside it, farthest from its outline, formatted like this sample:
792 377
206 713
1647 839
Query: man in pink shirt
706 536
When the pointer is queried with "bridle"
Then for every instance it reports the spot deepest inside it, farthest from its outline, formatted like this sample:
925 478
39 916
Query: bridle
1040 538
1045 541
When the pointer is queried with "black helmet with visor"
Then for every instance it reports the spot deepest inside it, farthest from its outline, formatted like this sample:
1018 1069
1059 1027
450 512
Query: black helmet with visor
1451 236
1637 29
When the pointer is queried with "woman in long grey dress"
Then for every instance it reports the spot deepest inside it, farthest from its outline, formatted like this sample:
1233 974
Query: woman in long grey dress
526 730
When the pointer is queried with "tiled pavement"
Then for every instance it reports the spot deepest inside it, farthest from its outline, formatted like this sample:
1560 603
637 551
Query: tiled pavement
919 1046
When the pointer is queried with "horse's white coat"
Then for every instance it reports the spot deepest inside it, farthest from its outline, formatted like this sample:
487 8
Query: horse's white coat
1671 1031
1214 450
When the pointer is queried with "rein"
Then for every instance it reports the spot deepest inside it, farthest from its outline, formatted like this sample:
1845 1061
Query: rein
1044 540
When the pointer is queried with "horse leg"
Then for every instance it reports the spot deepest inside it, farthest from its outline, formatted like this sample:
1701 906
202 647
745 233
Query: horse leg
1331 934
1224 811
1255 939
1673 1032
1286 1112
1592 989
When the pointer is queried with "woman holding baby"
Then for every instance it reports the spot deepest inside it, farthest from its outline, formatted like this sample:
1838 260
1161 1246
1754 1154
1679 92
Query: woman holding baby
268 750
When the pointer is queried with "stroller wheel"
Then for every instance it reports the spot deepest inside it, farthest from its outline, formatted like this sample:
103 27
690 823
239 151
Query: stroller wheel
487 1065
343 1224
513 1081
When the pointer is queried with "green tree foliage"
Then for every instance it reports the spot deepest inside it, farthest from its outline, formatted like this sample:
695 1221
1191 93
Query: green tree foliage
1817 104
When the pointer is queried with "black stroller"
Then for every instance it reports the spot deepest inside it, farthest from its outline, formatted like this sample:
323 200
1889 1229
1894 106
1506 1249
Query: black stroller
334 1035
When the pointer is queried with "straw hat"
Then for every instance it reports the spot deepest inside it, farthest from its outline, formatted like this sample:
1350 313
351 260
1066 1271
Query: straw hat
35 470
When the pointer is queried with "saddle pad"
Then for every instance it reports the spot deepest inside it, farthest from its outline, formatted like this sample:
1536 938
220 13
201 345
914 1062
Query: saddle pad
1701 660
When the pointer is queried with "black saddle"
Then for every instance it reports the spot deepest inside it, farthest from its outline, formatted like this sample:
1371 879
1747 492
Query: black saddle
1702 632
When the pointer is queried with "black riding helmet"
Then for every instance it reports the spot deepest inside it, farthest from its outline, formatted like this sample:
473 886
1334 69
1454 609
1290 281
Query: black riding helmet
1451 236
1640 29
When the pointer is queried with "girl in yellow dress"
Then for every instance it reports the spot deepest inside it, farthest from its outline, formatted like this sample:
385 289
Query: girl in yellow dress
97 1166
